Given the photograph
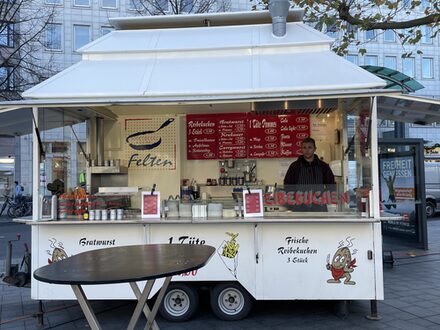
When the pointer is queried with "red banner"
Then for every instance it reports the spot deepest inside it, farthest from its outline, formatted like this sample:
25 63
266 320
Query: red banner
232 136
292 130
263 132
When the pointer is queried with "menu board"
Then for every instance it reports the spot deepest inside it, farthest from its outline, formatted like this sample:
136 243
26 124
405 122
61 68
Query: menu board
253 203
263 134
150 205
201 136
236 135
232 136
292 130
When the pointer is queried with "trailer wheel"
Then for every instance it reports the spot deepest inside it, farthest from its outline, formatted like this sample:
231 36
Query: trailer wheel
180 302
230 301
430 209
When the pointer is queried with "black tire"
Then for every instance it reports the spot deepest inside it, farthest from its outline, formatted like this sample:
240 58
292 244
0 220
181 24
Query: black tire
430 209
19 211
230 301
180 302
11 211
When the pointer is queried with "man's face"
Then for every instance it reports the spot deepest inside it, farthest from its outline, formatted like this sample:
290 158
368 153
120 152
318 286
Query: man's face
308 150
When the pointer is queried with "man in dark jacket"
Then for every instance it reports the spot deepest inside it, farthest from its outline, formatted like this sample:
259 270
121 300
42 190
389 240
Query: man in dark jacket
309 179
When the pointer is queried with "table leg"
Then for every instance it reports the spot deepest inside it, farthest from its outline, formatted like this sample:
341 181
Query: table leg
159 299
86 307
146 309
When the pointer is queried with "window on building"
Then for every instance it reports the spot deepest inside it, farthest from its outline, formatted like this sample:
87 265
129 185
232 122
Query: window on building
81 35
426 34
353 29
389 36
187 6
112 4
371 60
7 34
160 6
54 2
82 3
427 68
390 62
105 30
135 4
331 31
53 37
6 77
370 35
353 58
408 66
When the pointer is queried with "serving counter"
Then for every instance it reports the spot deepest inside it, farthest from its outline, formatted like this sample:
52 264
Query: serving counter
271 257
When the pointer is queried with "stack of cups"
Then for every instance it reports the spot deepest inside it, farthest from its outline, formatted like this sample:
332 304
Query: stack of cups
104 214
120 214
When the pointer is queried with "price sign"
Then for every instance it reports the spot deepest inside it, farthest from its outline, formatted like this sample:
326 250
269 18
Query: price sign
150 205
253 203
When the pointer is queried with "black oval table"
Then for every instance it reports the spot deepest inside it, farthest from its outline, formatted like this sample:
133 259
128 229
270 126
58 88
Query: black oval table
126 264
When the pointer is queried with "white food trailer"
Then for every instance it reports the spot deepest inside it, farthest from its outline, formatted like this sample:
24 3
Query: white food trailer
156 70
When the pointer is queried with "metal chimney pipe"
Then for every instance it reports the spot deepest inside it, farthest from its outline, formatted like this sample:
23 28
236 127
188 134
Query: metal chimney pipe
100 140
279 9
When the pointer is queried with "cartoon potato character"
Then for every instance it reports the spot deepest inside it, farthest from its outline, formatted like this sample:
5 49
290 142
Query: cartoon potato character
341 267
57 255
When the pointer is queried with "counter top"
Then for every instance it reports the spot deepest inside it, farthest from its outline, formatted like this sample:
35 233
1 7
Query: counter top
201 221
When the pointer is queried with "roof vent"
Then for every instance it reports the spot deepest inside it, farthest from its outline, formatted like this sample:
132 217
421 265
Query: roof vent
279 9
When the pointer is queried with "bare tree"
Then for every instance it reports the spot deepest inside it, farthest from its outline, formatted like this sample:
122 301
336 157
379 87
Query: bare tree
174 7
405 17
22 30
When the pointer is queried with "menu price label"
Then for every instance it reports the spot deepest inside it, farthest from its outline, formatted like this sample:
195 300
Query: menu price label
150 205
232 136
292 130
201 136
253 203
263 133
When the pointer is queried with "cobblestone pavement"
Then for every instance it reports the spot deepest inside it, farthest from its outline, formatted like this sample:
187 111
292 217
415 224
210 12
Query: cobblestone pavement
412 301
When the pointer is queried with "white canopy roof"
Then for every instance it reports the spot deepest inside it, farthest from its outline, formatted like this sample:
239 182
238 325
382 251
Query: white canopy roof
207 62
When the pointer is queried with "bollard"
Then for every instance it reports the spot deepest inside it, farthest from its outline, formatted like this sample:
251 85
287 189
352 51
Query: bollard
8 259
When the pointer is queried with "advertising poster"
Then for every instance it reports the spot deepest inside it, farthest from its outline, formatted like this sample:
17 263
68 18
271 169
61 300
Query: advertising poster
397 192
150 143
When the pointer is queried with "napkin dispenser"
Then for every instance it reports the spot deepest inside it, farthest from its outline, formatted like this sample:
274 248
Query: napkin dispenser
48 208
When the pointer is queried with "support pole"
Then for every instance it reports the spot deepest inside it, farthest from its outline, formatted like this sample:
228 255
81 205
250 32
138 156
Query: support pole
374 316
40 314
35 169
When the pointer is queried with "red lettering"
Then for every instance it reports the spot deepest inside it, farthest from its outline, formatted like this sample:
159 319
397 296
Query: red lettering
298 198
281 198
290 199
344 198
334 197
325 198
315 198
267 199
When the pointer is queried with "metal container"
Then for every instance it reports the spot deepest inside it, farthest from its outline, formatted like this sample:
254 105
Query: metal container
104 214
120 214
92 214
113 214
97 214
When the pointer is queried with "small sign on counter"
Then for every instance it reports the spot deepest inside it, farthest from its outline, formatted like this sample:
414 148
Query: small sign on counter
150 205
253 203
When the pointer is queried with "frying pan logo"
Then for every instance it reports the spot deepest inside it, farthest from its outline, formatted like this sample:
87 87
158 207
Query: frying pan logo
302 120
146 134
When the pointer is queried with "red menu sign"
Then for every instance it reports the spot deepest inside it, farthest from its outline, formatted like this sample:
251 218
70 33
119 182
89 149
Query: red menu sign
150 205
201 136
263 134
292 130
232 136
